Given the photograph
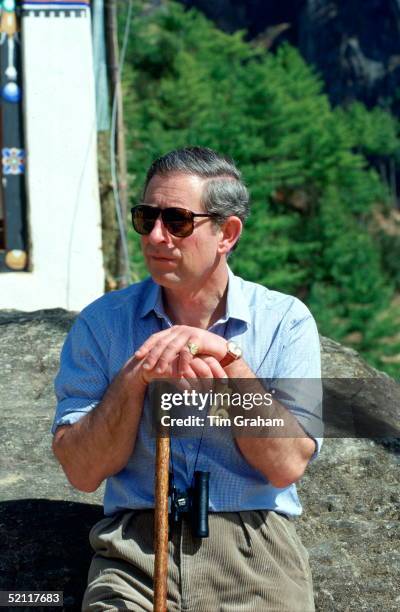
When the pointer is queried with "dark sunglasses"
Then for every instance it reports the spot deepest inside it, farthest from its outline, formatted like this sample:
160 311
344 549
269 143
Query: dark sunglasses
178 221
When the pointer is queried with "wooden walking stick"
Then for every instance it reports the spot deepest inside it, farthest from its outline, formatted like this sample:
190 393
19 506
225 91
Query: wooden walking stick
161 524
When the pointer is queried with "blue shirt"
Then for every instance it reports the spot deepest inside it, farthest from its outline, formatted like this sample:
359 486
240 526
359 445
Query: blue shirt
279 340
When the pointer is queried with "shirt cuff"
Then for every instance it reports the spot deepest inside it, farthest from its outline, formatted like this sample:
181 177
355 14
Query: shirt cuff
318 445
69 417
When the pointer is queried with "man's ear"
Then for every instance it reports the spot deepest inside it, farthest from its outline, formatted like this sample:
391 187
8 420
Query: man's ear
229 234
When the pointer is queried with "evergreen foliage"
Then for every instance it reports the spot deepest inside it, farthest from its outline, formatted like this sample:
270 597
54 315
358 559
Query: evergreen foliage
313 189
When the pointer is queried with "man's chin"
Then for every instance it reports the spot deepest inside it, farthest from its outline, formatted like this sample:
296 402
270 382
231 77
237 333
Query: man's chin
165 278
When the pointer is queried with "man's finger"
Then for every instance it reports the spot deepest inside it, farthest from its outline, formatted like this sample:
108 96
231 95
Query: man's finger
215 367
201 368
161 356
154 340
185 360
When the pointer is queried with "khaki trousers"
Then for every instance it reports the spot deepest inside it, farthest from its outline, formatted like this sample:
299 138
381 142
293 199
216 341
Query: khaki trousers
253 561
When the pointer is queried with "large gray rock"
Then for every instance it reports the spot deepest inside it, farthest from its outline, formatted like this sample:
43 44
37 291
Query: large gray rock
350 494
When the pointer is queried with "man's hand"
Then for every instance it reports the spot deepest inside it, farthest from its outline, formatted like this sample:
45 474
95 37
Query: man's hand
200 367
163 348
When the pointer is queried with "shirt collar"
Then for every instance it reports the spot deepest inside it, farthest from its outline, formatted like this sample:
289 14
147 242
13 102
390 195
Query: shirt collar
236 304
152 299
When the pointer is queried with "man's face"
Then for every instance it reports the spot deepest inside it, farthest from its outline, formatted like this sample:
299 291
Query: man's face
174 261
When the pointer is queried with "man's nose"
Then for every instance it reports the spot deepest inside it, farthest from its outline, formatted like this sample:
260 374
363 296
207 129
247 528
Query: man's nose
159 233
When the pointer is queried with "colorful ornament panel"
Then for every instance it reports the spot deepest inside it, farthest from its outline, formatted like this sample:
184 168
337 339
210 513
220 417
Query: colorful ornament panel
13 201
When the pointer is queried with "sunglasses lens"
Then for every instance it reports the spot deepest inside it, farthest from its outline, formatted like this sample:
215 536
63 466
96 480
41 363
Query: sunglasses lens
144 218
178 221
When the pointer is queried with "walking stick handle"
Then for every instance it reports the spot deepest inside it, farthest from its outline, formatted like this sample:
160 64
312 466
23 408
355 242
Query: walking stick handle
161 525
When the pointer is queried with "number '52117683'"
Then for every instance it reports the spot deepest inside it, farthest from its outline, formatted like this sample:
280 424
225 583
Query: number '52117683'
15 599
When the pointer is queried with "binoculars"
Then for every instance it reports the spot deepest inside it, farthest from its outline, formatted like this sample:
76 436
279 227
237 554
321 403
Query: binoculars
194 503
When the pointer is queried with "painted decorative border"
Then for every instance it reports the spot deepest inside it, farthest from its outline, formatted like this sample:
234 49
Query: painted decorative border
61 8
56 2
53 13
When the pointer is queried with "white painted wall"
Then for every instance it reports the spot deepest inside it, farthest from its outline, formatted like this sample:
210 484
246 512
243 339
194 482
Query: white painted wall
62 181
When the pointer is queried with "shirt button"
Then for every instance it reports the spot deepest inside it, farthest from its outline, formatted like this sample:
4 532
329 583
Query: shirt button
191 447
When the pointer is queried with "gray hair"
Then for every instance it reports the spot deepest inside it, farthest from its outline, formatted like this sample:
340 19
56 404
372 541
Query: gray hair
224 193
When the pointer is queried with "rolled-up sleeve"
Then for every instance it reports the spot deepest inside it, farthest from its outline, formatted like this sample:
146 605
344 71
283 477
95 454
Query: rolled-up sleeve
82 379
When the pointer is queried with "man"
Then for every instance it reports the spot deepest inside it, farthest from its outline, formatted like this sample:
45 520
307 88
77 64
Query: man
177 324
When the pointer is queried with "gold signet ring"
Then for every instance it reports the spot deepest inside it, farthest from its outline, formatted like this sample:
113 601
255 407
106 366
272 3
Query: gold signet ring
193 348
